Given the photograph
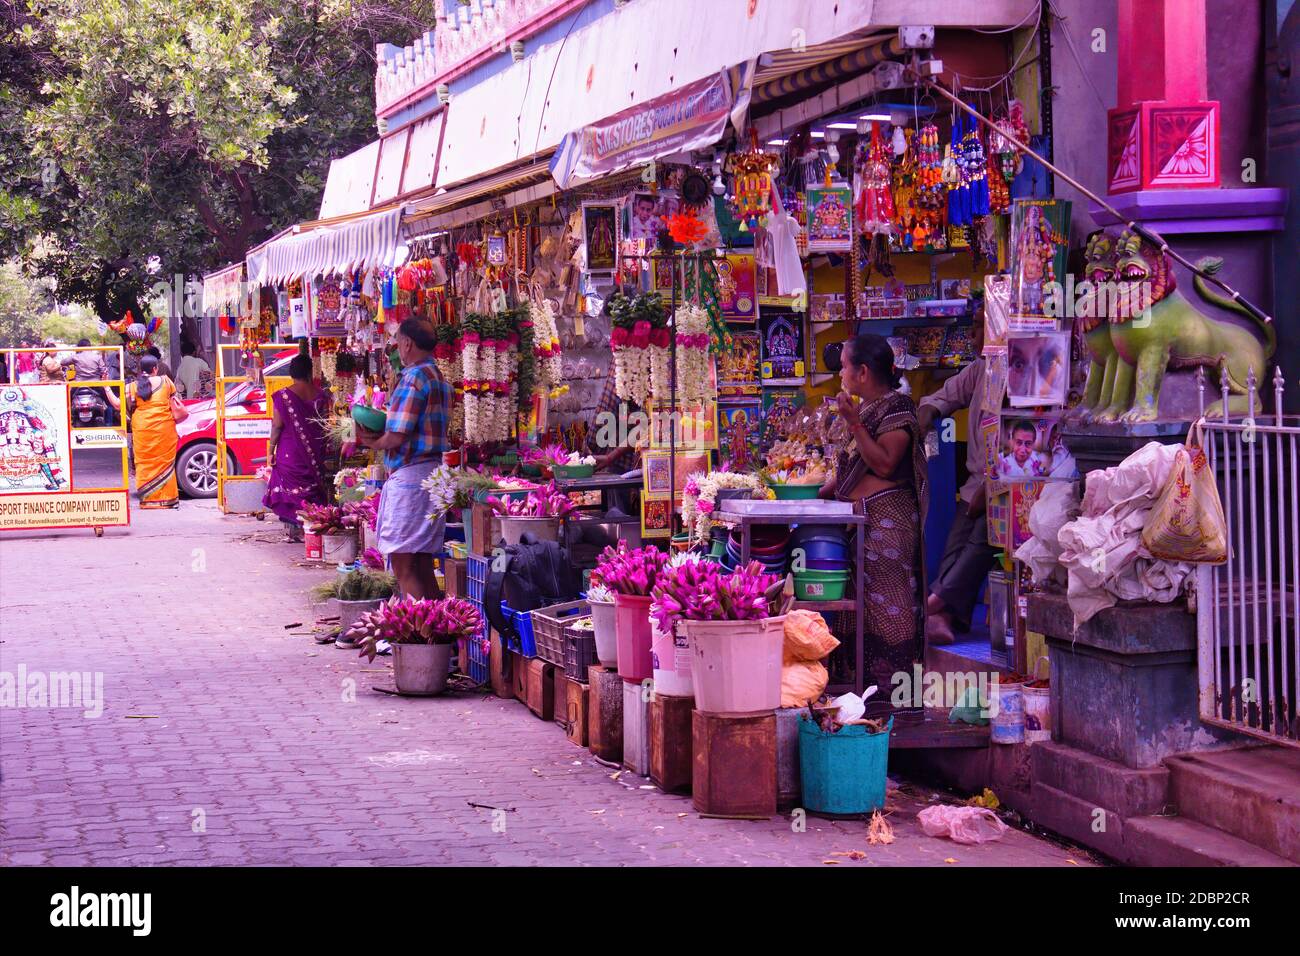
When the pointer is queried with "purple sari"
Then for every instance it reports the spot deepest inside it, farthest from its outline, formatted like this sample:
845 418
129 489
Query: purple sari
297 477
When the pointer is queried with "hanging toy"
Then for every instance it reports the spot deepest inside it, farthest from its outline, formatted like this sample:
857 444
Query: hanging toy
975 171
1001 145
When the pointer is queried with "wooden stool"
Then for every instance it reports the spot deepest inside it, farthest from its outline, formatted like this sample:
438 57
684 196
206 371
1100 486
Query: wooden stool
670 742
734 767
605 711
539 682
576 697
561 691
502 686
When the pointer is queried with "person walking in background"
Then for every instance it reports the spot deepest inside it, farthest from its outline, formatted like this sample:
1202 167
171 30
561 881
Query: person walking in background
49 366
193 375
163 367
24 370
149 409
298 447
413 442
967 556
91 367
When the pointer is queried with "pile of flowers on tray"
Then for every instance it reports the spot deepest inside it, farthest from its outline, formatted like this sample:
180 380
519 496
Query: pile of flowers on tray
547 502
700 498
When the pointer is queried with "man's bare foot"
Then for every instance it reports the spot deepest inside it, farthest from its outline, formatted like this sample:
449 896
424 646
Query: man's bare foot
933 605
938 629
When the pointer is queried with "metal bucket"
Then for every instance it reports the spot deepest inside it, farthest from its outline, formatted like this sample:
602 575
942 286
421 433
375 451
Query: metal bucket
339 548
420 670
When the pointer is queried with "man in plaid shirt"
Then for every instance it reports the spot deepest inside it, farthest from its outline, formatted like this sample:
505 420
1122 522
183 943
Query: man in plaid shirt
621 458
413 441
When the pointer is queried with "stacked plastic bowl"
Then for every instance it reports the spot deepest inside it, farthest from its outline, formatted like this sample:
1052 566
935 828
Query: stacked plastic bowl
769 545
822 573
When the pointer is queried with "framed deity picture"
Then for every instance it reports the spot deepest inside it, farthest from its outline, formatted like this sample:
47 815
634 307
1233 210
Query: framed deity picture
600 236
830 218
738 368
738 287
779 408
496 250
1040 233
738 440
782 338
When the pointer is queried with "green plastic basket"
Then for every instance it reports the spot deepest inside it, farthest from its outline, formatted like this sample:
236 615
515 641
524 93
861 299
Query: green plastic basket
574 471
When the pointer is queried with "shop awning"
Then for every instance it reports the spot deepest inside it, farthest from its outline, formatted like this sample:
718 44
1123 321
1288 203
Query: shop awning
424 215
223 290
317 248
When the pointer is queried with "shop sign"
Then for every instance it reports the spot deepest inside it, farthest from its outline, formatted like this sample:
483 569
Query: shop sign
73 509
693 117
105 437
248 428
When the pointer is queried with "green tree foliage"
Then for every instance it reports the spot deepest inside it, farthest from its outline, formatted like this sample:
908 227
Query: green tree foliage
186 130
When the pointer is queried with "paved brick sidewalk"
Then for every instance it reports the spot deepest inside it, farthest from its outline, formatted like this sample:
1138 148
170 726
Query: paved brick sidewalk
226 739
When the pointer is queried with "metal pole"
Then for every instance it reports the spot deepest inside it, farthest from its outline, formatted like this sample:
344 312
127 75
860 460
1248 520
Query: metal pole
1147 234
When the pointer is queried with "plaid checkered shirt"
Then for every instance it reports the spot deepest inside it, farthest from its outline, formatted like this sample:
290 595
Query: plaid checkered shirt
609 402
418 408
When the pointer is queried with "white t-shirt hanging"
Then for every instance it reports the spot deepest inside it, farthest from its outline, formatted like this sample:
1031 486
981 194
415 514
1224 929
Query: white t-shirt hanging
784 232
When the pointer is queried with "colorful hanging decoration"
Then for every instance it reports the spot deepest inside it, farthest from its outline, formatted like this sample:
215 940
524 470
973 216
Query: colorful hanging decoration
931 195
751 171
702 289
974 170
874 203
999 193
640 340
954 177
1001 147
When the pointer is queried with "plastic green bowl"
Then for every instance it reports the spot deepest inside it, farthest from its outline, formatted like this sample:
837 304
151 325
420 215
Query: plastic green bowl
795 492
808 588
371 419
574 471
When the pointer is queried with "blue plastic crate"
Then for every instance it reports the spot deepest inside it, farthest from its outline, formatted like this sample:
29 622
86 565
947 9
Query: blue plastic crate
476 578
523 621
479 653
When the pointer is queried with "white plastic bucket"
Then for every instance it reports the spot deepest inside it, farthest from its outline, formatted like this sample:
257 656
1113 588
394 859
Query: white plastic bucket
602 623
339 548
736 665
1038 710
671 659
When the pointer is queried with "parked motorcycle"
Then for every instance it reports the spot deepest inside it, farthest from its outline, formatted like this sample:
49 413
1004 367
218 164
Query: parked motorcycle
89 409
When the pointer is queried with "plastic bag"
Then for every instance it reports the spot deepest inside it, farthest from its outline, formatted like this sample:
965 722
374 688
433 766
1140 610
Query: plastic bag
807 638
849 707
802 682
968 825
1187 522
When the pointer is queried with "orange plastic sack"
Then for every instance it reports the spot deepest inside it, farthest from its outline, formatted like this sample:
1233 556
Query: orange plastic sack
807 638
802 683
1187 522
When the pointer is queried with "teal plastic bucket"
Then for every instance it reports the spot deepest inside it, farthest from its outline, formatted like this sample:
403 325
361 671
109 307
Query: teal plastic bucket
844 772
466 517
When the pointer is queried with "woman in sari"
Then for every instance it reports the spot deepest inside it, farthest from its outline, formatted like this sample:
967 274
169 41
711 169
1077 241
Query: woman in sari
153 441
297 447
883 474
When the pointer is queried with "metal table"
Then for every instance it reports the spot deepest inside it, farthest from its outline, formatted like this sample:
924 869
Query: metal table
746 524
602 483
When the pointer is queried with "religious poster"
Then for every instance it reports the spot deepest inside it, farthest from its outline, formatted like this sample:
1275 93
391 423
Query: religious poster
779 408
738 367
782 339
1024 494
738 440
327 309
696 425
1040 231
830 218
738 287
496 250
600 236
656 518
35 452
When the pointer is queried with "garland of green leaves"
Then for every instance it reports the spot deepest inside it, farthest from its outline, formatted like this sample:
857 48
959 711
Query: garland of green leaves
702 287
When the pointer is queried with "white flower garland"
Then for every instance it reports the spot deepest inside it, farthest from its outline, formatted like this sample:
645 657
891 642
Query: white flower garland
659 381
546 344
694 363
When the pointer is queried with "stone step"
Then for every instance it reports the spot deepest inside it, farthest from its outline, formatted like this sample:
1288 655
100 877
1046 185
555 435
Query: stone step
1251 792
1178 841
1127 791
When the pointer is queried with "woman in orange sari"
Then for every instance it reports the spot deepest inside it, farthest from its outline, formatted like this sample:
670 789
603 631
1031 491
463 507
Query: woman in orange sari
148 403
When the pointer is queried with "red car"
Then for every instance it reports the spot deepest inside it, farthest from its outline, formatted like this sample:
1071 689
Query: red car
196 454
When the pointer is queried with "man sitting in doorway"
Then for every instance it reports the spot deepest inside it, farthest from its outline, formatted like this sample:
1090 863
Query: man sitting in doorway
413 443
967 556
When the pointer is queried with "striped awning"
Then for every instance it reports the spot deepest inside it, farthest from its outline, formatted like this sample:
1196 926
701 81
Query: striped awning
223 291
328 246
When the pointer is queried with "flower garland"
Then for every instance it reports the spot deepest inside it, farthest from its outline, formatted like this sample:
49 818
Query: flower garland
640 341
700 497
546 344
694 381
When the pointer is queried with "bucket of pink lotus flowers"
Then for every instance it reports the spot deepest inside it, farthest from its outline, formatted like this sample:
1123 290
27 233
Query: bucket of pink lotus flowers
735 635
540 513
630 573
423 634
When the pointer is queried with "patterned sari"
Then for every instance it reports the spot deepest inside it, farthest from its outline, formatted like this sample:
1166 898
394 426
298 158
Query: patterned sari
153 445
893 607
298 475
